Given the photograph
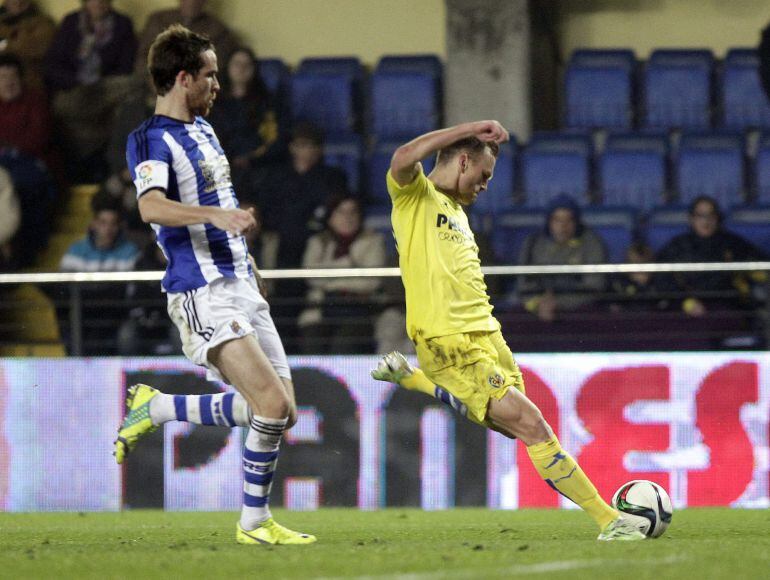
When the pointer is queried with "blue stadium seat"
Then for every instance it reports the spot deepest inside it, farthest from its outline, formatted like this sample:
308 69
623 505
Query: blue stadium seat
346 153
762 171
345 65
553 164
499 195
327 92
677 89
632 171
377 167
744 103
404 104
615 226
511 229
418 63
663 225
599 89
377 218
276 76
753 224
710 164
325 100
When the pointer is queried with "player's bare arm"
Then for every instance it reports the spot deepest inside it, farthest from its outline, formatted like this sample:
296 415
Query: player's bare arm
403 165
156 208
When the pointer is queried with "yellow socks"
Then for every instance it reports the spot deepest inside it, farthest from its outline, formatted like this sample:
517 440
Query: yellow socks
417 381
561 472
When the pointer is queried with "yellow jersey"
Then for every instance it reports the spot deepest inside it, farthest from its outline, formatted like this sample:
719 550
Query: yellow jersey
439 261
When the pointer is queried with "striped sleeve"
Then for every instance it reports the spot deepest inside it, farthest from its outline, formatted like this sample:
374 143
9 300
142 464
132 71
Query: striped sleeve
149 158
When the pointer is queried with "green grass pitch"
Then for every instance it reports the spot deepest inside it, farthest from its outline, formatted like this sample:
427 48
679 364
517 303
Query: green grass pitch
394 543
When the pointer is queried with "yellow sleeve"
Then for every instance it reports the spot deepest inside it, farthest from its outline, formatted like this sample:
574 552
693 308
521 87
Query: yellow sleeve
418 186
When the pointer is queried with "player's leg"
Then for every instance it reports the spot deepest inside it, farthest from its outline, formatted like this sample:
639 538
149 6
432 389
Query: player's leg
516 416
247 368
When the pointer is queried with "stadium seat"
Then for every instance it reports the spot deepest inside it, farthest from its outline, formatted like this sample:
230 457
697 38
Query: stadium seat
378 164
663 224
677 89
276 76
599 89
344 65
420 63
499 194
753 224
553 164
744 103
511 229
615 226
347 153
710 164
632 171
327 92
404 104
762 171
325 100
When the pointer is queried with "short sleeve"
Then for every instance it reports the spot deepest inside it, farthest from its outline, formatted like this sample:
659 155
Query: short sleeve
148 158
418 186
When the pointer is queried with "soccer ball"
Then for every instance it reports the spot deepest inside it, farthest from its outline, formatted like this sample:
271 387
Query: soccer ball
645 503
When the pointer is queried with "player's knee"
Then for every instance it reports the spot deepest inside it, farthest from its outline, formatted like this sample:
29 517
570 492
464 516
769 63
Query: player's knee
533 426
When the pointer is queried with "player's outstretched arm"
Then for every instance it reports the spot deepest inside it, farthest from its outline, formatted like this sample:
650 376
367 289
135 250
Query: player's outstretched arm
403 164
156 208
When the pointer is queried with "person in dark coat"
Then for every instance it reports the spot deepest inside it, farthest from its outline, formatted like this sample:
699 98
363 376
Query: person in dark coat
708 241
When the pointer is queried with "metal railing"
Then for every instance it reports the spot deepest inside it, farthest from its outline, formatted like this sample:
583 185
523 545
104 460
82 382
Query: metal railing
70 294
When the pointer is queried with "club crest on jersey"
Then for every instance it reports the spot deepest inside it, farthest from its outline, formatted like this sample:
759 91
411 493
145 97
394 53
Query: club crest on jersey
236 328
496 381
215 173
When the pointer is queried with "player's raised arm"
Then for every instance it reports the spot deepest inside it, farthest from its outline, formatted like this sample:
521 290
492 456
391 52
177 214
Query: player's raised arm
403 164
156 208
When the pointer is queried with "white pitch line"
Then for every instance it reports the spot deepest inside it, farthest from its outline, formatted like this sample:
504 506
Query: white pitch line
515 570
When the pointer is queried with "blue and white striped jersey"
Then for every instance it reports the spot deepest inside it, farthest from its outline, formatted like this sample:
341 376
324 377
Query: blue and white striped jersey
186 161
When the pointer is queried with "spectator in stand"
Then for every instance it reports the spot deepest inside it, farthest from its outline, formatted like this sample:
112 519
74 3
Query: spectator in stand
565 240
340 311
191 14
10 219
635 291
137 106
148 330
245 117
25 121
88 70
296 193
708 241
103 249
134 108
27 33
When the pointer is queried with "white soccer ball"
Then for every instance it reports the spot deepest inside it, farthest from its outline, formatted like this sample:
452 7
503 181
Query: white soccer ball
645 503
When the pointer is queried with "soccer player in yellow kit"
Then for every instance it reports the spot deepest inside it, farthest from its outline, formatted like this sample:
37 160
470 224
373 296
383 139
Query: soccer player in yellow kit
464 359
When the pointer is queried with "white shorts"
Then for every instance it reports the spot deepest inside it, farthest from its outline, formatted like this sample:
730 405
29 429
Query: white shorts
225 309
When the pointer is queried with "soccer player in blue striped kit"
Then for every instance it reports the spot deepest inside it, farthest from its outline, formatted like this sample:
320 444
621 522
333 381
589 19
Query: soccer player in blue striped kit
184 189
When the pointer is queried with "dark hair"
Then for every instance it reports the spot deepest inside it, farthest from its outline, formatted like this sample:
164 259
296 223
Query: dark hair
257 90
708 199
174 50
104 201
471 145
306 130
10 59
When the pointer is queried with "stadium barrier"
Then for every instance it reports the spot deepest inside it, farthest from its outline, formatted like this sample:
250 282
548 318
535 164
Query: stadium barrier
696 423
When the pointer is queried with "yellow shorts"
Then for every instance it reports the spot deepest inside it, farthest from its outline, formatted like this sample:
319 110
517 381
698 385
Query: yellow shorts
472 367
